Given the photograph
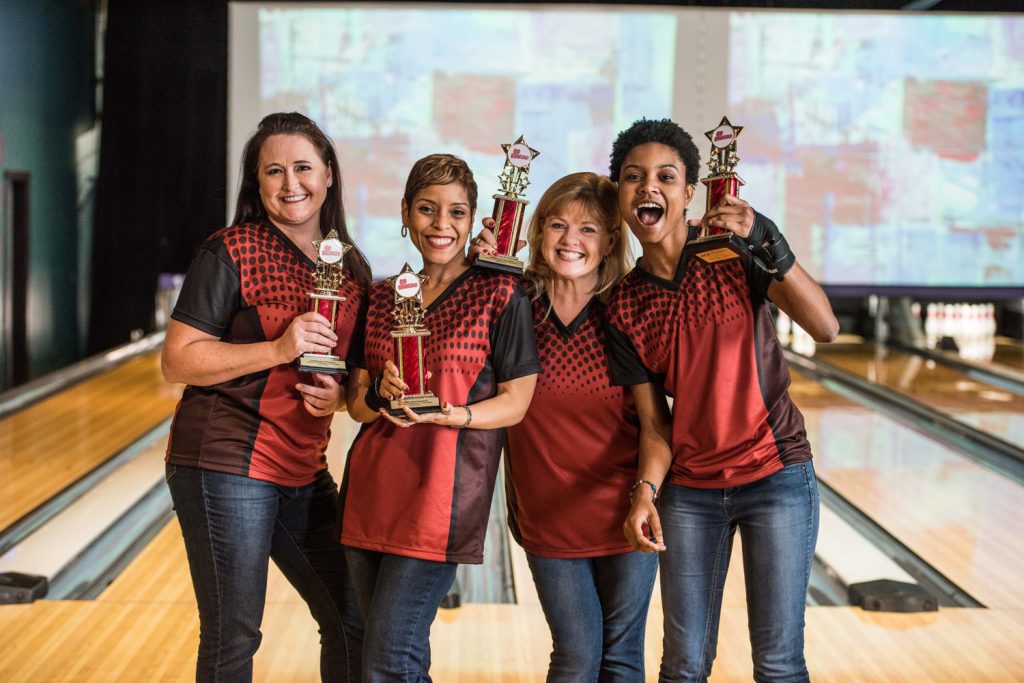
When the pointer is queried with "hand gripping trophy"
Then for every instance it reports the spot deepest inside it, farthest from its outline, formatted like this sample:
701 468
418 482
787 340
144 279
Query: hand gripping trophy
509 207
716 244
408 336
324 299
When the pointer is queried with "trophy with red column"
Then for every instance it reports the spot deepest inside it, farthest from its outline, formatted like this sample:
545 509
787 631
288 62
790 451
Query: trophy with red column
509 207
408 336
717 244
324 299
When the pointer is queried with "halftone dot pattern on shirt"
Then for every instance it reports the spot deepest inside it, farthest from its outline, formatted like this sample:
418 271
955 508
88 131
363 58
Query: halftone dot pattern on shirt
574 361
652 312
271 272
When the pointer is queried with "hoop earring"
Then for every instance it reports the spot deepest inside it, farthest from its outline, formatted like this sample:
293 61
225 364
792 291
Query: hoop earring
405 230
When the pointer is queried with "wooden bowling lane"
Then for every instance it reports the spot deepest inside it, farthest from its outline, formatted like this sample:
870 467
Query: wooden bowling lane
1009 354
987 407
104 642
50 444
954 513
144 627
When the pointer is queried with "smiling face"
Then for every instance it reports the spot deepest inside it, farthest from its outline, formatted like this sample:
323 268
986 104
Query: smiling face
653 193
574 242
439 219
293 182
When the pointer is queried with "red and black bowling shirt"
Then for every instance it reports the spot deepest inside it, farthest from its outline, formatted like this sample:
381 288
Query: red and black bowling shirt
245 284
571 461
425 491
707 337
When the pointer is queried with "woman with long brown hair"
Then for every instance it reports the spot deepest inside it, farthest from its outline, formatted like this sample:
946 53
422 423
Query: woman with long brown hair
246 461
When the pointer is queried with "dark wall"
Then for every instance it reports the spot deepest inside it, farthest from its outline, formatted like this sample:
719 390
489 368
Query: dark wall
163 171
46 104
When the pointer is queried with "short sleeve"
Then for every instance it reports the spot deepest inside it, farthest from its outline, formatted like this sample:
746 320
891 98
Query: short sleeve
627 369
513 346
211 294
356 347
758 277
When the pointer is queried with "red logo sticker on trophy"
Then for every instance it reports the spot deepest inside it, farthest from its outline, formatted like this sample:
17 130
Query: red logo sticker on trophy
717 244
408 336
509 207
324 299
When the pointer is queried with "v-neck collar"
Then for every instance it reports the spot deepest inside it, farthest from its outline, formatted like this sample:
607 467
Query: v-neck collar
581 317
677 277
289 244
448 290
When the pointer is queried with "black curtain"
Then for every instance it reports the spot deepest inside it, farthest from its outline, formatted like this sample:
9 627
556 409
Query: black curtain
161 186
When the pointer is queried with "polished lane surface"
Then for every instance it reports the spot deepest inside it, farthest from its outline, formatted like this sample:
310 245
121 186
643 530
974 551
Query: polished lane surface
144 627
990 408
1009 354
949 510
49 445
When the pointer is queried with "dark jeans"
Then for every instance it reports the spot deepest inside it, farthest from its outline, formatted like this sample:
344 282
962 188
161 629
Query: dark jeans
232 527
596 609
398 597
778 522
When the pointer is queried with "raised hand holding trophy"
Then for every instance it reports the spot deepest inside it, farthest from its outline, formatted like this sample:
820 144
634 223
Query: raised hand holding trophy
408 336
509 207
717 244
324 299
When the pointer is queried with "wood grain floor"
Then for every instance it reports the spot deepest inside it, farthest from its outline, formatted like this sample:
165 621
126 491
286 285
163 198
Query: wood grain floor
155 640
51 444
980 404
144 626
948 509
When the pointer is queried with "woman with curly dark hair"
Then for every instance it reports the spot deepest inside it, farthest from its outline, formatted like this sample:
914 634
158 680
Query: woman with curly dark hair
733 453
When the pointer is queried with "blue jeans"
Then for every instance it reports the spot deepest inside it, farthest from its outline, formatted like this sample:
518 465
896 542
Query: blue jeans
233 526
778 521
398 597
596 609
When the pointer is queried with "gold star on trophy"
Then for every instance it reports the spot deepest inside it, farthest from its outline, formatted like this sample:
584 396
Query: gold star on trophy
510 206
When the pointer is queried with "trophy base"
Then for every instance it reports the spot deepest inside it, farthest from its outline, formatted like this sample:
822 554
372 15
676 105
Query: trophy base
715 248
507 264
417 403
316 362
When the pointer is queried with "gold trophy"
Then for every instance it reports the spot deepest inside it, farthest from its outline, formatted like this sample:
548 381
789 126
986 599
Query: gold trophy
509 207
408 336
324 299
717 244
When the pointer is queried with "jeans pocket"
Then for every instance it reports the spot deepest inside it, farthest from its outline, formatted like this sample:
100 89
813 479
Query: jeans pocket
169 471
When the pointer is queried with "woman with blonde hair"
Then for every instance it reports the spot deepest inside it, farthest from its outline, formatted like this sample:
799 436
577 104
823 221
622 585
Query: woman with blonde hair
570 459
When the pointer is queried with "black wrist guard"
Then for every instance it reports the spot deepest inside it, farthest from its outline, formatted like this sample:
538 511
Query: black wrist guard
374 401
763 230
774 257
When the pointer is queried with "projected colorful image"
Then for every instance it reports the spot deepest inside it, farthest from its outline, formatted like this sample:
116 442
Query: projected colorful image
891 148
392 85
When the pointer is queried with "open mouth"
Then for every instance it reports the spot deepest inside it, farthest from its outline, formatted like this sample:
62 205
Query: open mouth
569 255
440 242
649 213
294 198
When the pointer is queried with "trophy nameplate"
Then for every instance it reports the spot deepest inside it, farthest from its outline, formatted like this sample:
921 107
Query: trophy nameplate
713 245
408 350
509 207
324 299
